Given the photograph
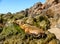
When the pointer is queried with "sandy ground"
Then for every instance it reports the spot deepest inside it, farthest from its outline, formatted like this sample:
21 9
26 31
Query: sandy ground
56 31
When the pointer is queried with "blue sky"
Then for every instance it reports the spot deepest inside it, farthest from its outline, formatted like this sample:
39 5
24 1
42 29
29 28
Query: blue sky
16 5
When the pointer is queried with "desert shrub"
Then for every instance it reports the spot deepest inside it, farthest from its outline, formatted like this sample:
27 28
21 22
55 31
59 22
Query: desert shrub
13 34
30 20
19 16
42 22
1 28
21 39
9 30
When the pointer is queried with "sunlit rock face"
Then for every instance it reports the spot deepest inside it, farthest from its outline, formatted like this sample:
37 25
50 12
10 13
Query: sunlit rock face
56 31
52 1
54 10
49 1
39 7
35 9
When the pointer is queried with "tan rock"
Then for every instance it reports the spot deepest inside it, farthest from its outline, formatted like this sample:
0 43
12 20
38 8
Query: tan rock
31 29
56 31
36 9
52 1
28 28
53 10
49 1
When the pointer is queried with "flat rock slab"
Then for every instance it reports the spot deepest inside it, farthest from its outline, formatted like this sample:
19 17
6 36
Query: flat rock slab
56 31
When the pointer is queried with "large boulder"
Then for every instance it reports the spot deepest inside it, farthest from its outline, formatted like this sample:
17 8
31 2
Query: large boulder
54 9
56 31
35 9
52 1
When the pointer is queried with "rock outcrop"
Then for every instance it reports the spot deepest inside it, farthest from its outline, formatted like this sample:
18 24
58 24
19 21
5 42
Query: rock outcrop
39 7
55 9
56 31
51 1
36 9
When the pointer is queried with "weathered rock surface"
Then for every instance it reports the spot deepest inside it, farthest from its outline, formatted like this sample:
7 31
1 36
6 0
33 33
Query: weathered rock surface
35 9
31 29
55 9
53 5
52 1
56 31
